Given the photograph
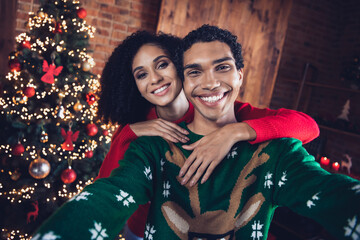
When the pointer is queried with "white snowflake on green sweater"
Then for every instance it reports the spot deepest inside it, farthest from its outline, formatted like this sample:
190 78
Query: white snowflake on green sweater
81 196
98 233
268 180
353 229
149 232
47 236
162 162
356 188
310 203
166 191
257 230
232 153
282 180
147 173
125 198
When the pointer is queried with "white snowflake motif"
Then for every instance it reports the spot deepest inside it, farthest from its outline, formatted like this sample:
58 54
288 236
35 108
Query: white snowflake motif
81 196
149 232
47 236
353 229
356 188
232 153
256 227
268 182
166 191
310 203
147 173
162 162
125 197
98 233
282 180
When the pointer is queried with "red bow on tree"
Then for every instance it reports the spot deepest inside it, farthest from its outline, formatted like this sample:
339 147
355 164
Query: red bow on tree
51 71
69 138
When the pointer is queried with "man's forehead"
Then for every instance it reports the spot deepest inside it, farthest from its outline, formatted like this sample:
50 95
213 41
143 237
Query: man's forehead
207 52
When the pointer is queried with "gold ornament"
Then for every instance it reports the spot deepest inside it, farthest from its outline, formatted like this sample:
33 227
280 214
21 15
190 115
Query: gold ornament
15 175
39 168
44 137
19 98
78 106
86 66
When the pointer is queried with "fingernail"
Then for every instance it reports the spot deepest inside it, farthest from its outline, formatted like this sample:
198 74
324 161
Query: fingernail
183 181
186 132
181 173
192 183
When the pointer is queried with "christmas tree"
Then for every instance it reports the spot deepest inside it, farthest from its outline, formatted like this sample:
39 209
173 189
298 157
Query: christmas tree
51 142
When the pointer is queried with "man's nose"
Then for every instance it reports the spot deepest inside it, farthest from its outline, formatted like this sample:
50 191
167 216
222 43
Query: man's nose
210 81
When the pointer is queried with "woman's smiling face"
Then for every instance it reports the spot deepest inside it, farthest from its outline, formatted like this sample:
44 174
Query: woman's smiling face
155 75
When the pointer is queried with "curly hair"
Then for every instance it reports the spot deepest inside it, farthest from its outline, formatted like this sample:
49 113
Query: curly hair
208 33
120 100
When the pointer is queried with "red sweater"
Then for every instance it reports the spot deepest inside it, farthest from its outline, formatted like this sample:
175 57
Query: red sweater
268 124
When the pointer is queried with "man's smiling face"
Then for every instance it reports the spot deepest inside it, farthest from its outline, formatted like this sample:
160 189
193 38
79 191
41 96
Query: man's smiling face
211 80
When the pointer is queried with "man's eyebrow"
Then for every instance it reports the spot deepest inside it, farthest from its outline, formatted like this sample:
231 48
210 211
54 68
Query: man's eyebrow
222 60
194 65
157 58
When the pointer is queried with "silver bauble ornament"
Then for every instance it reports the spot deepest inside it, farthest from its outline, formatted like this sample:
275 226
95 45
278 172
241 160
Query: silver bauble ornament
39 168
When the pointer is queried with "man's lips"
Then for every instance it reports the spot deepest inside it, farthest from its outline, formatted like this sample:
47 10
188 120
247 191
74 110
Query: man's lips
213 98
161 89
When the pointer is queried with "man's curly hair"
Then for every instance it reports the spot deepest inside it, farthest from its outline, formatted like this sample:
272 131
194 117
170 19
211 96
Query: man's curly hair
208 33
120 100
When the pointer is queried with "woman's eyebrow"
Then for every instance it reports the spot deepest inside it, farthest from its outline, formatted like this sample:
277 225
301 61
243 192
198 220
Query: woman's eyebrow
161 56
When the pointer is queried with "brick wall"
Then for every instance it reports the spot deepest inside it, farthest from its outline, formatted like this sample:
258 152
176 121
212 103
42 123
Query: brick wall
113 19
326 34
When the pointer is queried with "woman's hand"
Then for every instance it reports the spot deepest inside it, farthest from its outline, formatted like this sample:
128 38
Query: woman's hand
159 127
212 149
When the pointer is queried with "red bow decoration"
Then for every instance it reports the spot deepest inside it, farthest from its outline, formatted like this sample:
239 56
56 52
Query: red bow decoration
69 138
51 71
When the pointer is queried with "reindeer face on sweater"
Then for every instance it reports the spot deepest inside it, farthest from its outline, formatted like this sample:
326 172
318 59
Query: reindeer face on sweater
217 224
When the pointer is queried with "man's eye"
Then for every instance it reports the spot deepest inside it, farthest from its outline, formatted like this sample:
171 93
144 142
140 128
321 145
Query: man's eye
193 73
222 68
140 76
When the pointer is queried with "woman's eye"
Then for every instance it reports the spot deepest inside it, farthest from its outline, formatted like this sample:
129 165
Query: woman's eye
140 76
222 68
162 65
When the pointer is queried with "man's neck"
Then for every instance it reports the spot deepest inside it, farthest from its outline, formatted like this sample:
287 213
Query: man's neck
203 126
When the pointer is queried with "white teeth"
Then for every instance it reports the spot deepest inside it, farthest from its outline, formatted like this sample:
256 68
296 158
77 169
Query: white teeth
212 98
161 89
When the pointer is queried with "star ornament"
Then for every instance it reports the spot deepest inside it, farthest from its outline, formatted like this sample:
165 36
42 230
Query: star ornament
50 72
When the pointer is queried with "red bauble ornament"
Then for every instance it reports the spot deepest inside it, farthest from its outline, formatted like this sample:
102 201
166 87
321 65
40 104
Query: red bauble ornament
29 92
81 13
18 149
90 98
14 65
105 132
57 28
68 175
26 44
91 129
89 154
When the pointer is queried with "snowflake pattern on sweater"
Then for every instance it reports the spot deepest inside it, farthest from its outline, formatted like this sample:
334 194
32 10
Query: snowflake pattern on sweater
237 200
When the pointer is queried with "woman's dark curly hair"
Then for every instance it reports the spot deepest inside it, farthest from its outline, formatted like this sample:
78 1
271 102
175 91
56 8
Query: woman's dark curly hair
208 33
120 100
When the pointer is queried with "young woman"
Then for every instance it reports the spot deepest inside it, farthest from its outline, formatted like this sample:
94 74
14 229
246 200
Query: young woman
142 92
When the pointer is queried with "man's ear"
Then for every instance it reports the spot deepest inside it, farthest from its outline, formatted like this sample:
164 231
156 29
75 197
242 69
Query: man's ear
241 75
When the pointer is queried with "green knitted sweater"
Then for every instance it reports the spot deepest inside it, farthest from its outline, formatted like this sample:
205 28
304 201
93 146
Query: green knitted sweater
237 202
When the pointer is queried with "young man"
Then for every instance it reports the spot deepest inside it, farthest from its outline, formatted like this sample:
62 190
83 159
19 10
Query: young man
238 200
